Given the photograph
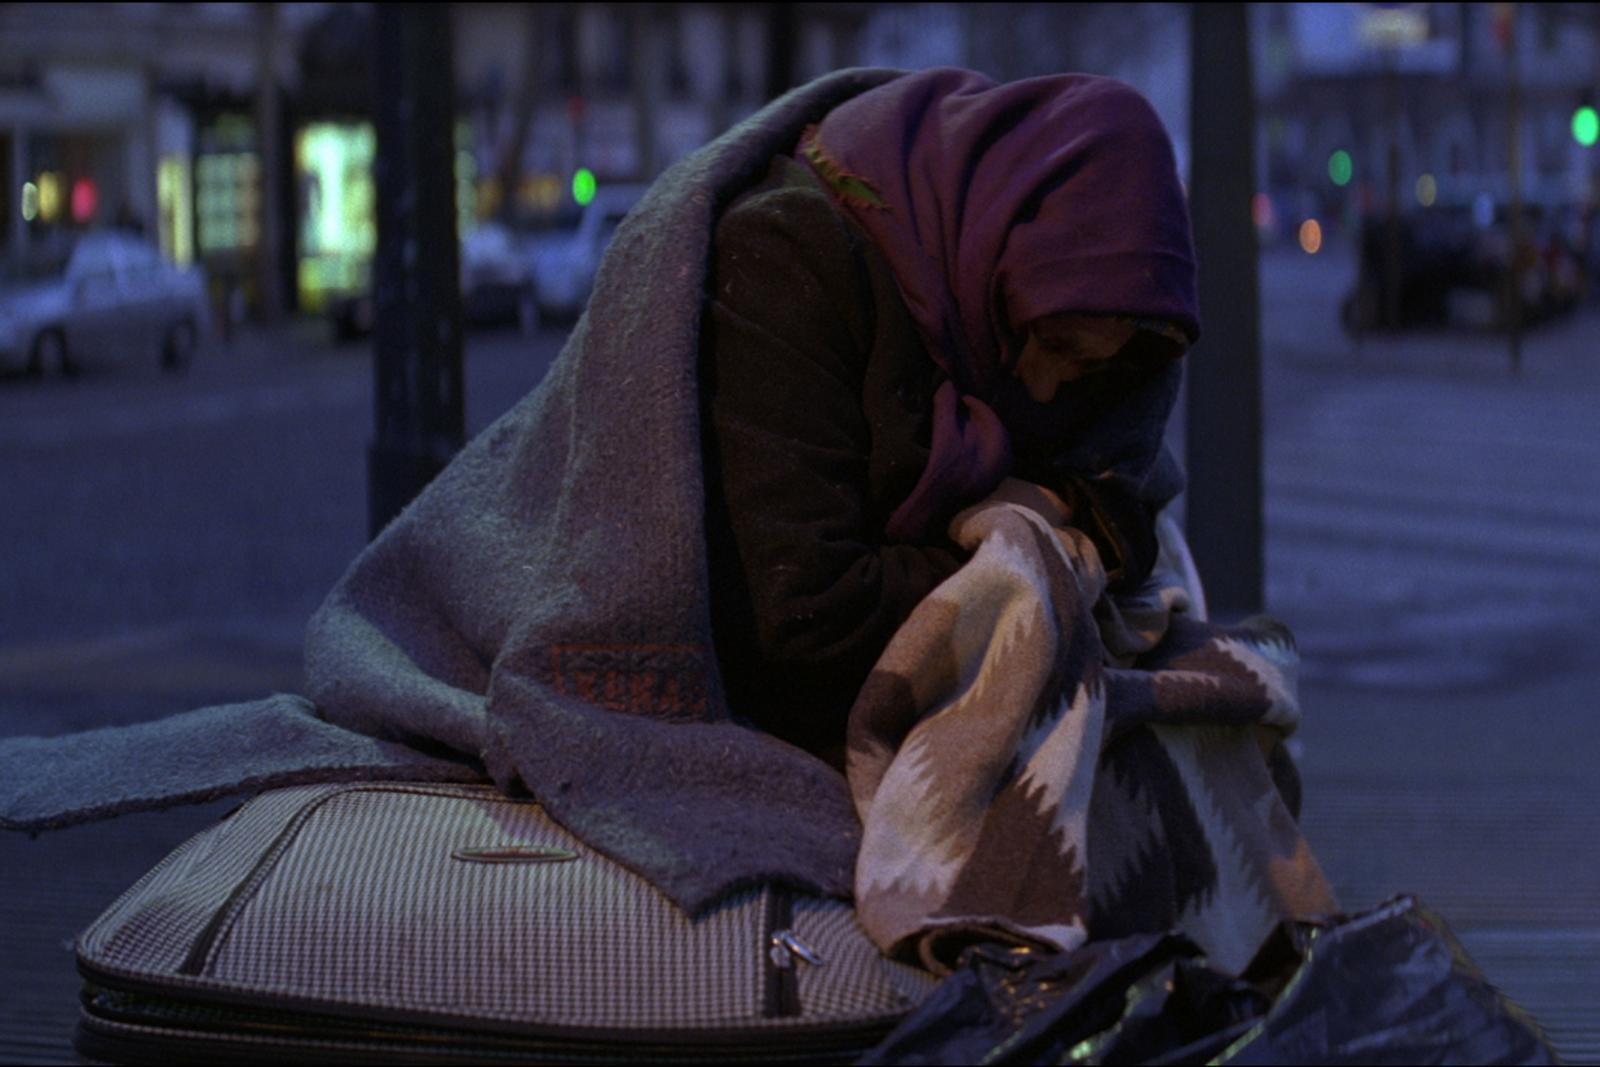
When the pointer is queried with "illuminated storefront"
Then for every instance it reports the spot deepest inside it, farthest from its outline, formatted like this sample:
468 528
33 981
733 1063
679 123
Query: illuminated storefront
227 189
226 205
175 208
337 210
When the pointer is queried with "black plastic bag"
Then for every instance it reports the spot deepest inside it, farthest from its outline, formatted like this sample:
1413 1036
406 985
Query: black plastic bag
1392 985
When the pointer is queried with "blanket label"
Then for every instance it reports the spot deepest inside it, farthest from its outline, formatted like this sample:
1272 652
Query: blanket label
661 681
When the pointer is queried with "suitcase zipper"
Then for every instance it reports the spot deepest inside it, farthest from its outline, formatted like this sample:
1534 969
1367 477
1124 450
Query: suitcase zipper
138 1026
785 953
221 923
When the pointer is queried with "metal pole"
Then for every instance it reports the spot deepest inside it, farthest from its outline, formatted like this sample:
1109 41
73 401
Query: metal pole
21 167
1223 408
1393 283
269 300
416 284
782 31
645 83
723 104
1514 274
536 23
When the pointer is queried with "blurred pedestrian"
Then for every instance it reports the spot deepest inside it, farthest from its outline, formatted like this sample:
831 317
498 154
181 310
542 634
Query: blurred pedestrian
129 220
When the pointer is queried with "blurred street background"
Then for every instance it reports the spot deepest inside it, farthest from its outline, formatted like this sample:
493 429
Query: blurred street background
176 500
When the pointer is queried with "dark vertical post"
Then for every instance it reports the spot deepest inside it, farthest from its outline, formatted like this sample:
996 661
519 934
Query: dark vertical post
269 297
1393 281
782 30
21 171
508 166
730 90
416 288
1223 412
644 83
1514 123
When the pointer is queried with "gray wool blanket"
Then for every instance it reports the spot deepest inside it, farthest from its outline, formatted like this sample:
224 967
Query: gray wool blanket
539 614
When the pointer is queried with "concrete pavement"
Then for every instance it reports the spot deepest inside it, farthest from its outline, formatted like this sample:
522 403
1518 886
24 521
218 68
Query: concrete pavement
1433 536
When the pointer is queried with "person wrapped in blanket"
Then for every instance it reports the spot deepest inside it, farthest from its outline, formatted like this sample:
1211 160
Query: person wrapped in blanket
956 292
949 284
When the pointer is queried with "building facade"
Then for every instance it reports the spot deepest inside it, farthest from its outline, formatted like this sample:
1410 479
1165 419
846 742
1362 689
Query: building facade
145 116
1443 105
154 116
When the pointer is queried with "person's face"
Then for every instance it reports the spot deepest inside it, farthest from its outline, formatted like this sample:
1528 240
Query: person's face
1070 347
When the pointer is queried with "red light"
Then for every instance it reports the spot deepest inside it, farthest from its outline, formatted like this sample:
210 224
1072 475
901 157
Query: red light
1261 212
1311 236
1505 24
85 198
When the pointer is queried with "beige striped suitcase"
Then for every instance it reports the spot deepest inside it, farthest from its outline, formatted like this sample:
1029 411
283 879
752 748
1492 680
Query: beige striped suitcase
394 922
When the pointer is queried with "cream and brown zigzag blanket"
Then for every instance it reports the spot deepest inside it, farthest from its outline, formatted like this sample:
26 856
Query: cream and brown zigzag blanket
1034 761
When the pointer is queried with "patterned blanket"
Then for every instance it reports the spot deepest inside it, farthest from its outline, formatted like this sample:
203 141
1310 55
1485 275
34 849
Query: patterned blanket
1036 762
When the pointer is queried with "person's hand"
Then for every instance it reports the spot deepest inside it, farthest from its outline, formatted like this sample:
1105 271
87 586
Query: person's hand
970 527
1047 503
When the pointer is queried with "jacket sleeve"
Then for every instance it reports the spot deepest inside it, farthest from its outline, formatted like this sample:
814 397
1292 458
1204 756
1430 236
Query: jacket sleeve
807 590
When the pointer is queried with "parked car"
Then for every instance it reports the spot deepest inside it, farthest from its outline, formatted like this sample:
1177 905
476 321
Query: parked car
1453 265
497 288
565 261
113 299
497 280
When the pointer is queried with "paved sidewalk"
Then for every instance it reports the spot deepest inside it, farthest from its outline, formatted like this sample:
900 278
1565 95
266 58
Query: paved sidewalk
1485 807
53 886
1433 536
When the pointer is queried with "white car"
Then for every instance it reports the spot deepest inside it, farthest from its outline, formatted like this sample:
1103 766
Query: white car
565 262
497 284
115 301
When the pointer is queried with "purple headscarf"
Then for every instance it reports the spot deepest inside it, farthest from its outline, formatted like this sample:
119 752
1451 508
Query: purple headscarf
995 205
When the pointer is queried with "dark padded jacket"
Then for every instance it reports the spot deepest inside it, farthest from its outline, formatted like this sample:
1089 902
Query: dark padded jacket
817 399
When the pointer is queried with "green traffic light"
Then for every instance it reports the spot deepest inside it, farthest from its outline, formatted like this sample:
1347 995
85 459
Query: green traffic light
1340 168
583 186
1585 126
